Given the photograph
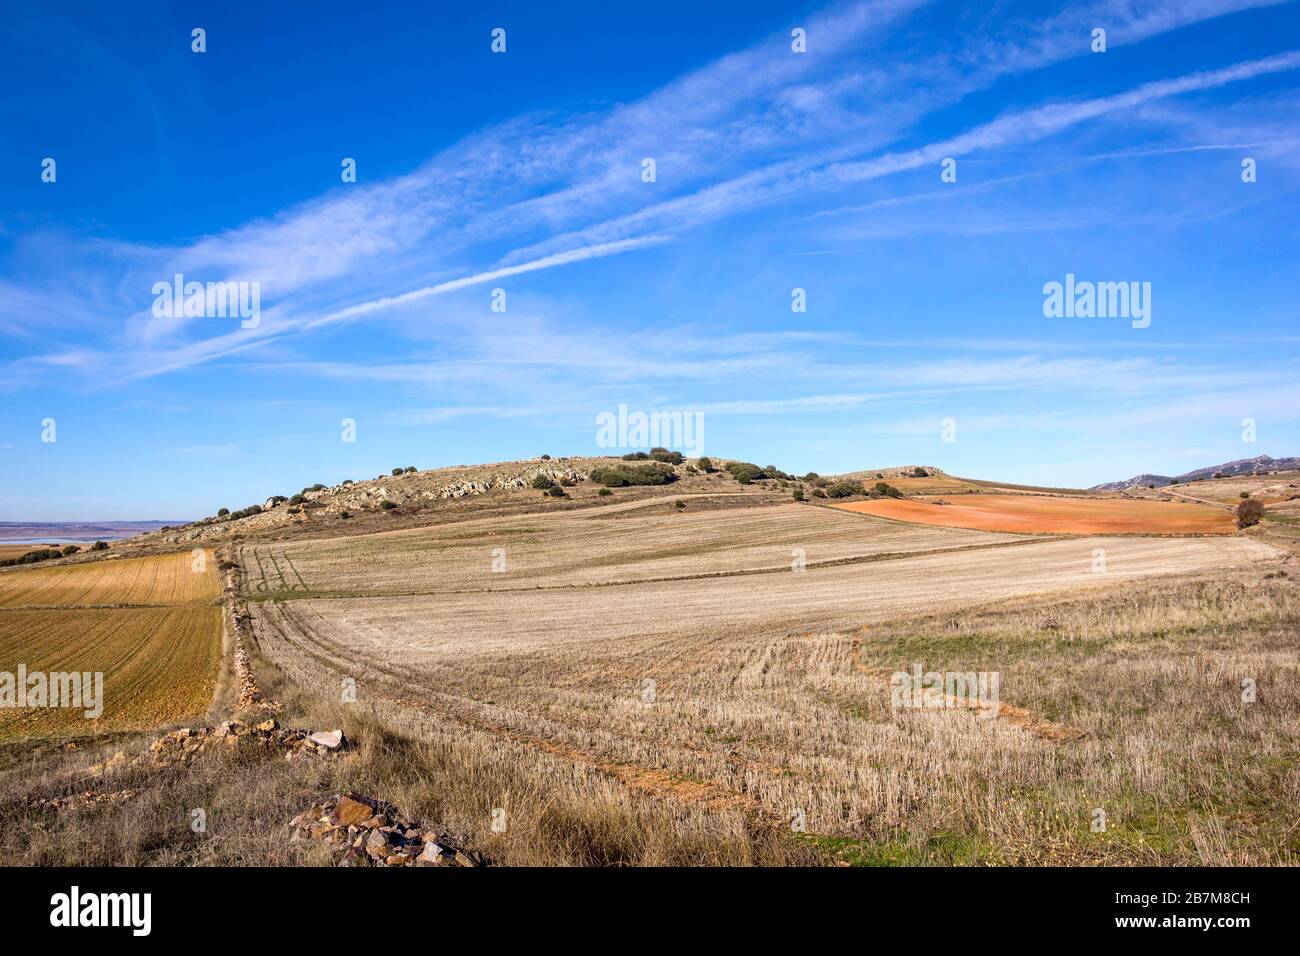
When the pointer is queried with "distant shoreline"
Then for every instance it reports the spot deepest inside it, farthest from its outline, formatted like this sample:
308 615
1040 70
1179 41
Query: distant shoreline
76 532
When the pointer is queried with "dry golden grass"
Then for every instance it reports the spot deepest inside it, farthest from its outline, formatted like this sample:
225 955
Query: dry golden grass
164 580
759 727
159 664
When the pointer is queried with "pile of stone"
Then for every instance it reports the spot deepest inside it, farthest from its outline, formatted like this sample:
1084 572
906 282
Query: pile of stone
182 747
363 831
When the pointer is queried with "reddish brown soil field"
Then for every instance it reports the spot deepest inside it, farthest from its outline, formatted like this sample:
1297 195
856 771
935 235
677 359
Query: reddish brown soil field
1041 513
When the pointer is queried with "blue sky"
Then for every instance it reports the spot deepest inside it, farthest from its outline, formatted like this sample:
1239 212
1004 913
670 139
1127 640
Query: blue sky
522 171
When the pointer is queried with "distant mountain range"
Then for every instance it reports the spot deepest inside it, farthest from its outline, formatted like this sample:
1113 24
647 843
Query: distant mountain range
1259 465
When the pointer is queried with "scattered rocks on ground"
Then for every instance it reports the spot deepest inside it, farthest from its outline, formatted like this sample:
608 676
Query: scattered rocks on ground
363 831
184 746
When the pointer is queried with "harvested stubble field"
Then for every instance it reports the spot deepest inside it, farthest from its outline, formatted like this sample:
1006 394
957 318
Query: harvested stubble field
159 664
1047 514
163 580
620 543
621 718
149 625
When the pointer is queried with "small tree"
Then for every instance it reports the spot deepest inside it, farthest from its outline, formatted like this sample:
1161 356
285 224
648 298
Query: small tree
1249 513
1244 494
222 512
388 505
396 471
920 473
543 482
555 491
410 469
604 493
70 549
705 464
844 489
99 546
798 493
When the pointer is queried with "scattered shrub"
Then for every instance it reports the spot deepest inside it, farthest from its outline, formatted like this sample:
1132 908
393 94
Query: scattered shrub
295 510
395 472
32 557
555 491
1244 494
297 500
920 473
99 546
1249 512
388 505
546 458
410 469
887 490
798 494
543 483
745 472
818 493
345 514
666 456
222 512
604 492
620 476
316 487
70 549
705 464
566 482
680 505
636 456
844 489
811 476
